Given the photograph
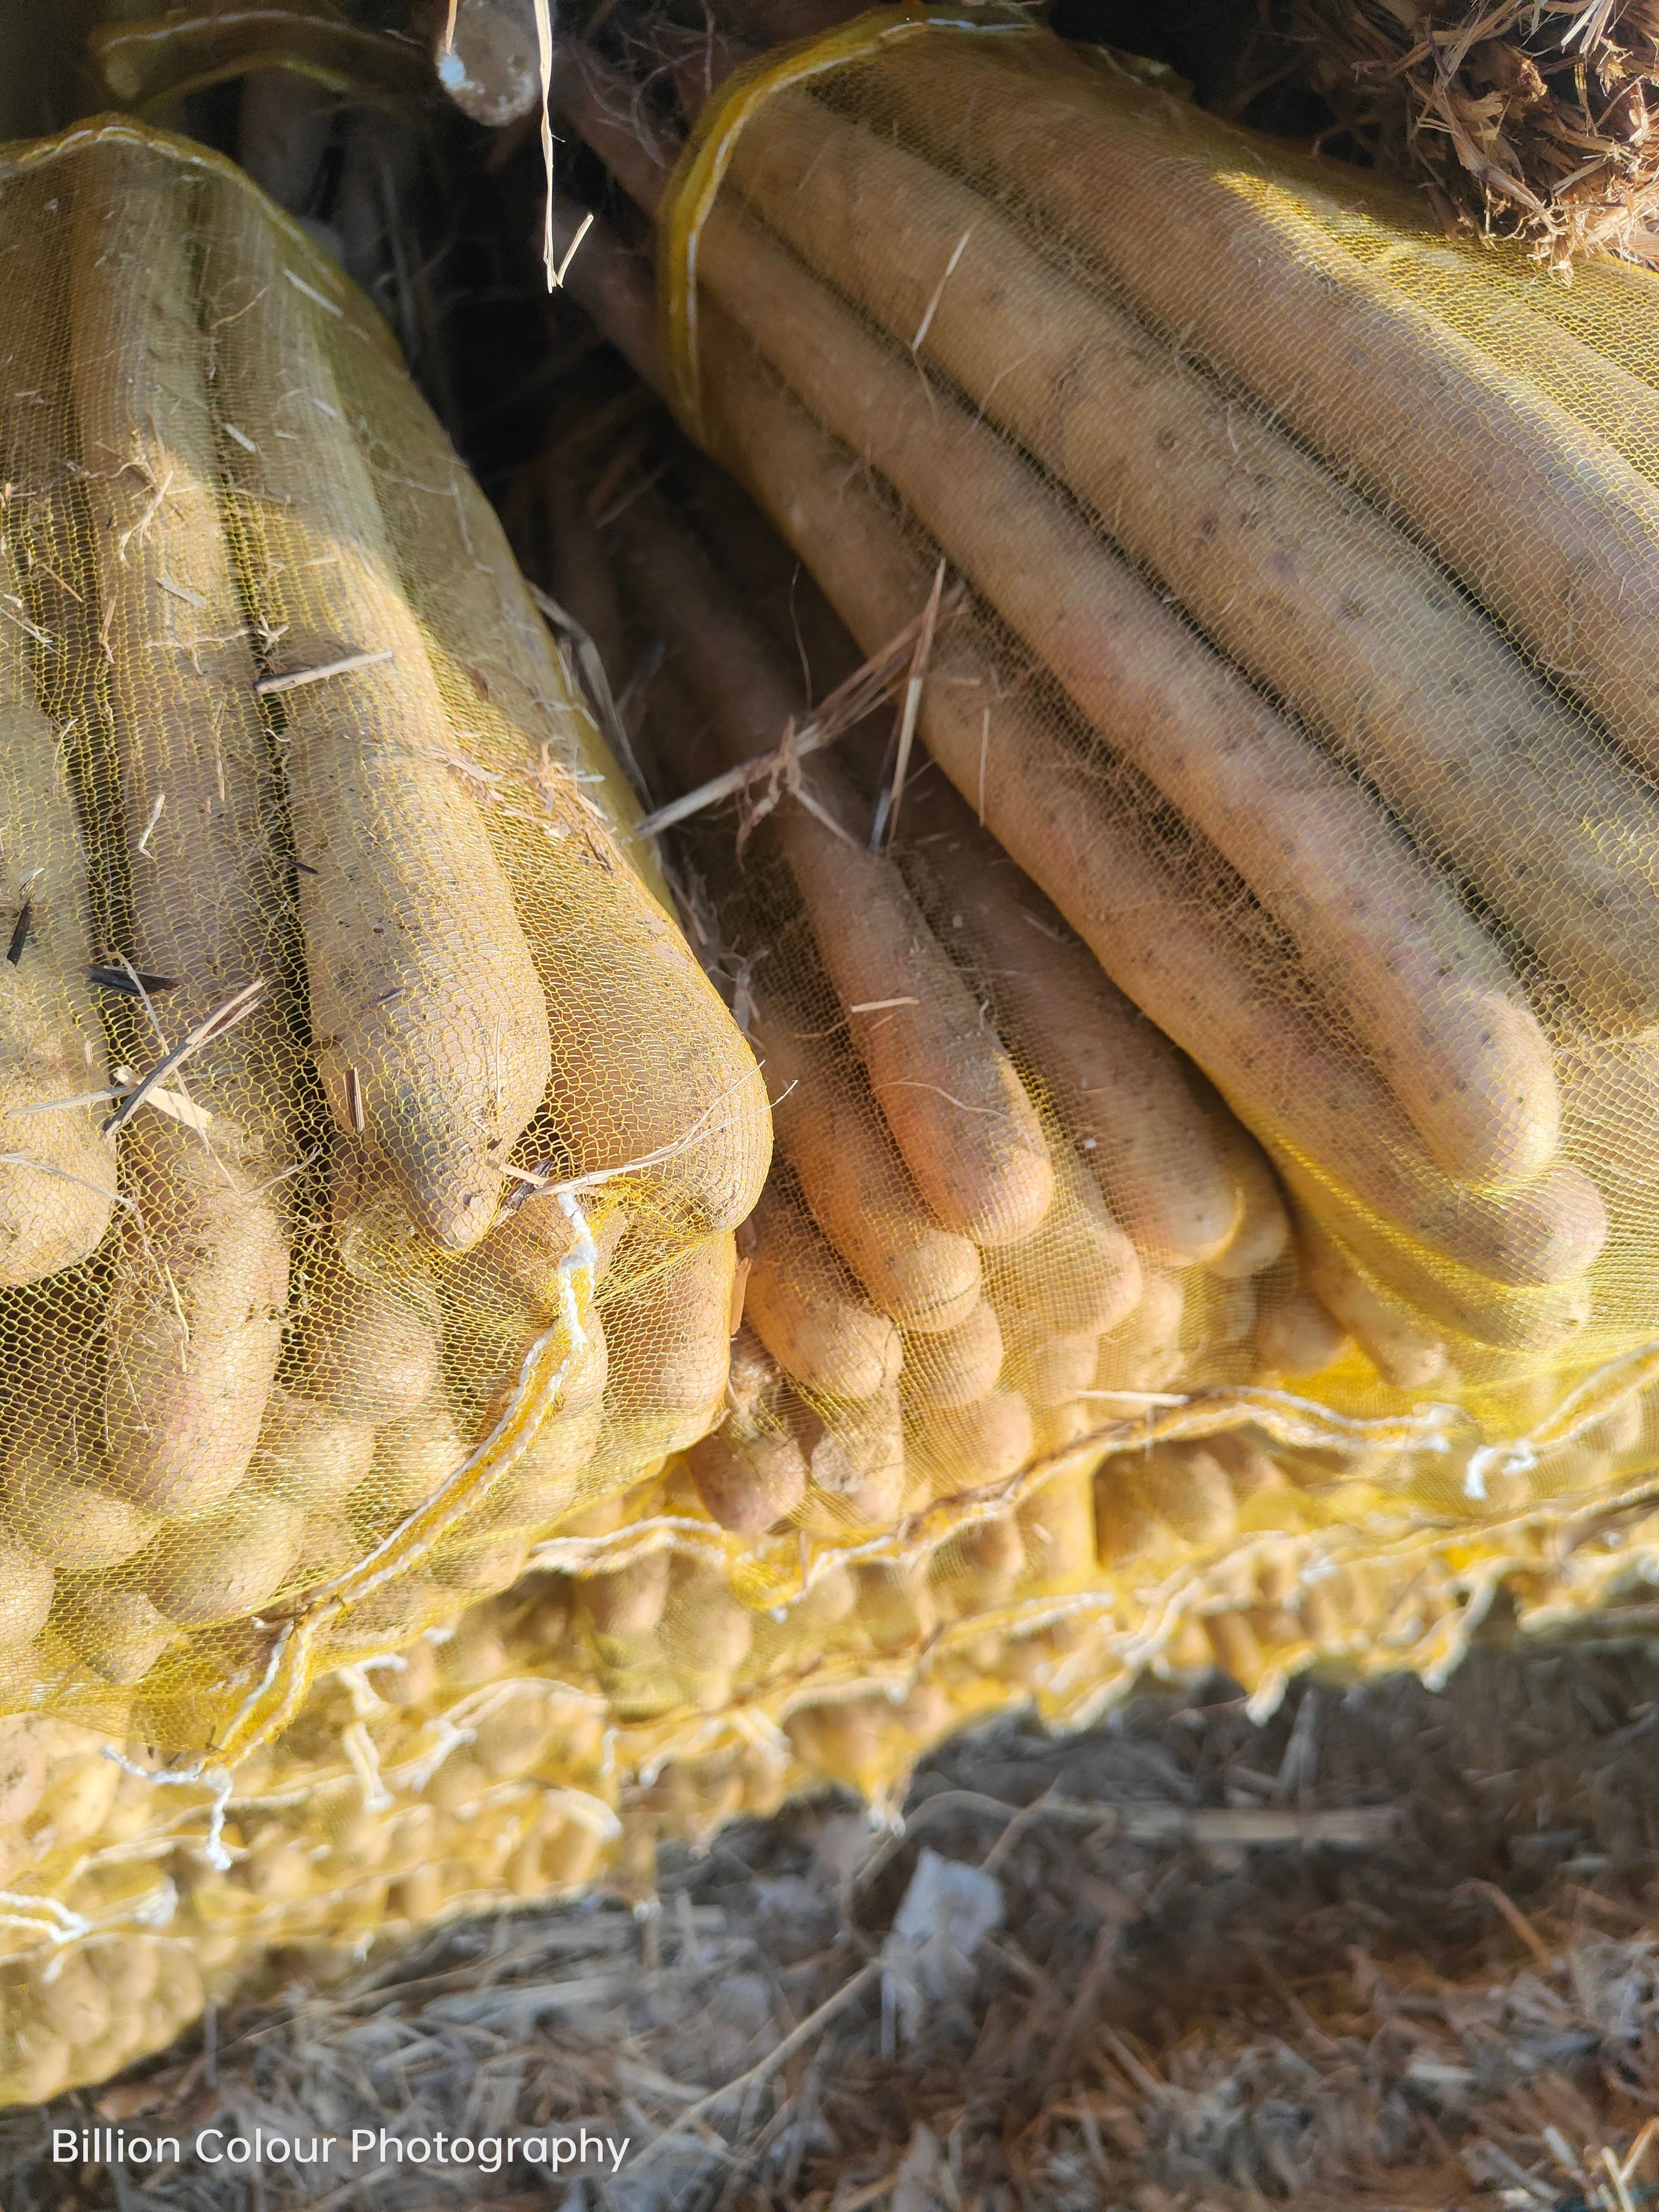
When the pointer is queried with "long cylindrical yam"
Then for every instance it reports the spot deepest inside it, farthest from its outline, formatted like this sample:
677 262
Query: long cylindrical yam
1079 1273
201 1272
224 1563
1541 1318
1295 1335
646 1062
1117 1085
670 1339
1425 988
807 1310
58 1184
955 1367
1550 529
1395 1339
369 1351
856 1187
957 1109
748 1483
1047 807
1263 1227
198 786
1298 579
431 1030
972 1447
1129 898
194 1326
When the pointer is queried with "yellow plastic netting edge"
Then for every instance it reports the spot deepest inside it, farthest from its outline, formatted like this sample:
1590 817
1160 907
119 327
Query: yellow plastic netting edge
689 197
148 65
344 302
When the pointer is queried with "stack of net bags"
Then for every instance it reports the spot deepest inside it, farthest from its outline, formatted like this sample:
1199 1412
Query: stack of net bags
442 1453
486 1766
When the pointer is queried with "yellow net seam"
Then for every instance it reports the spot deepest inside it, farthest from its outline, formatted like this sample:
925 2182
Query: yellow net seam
689 197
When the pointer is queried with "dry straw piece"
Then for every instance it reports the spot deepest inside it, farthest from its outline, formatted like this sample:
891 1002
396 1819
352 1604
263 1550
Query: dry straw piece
1520 120
361 1102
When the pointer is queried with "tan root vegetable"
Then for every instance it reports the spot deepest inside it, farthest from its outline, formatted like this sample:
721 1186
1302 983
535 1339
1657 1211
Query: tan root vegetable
309 1450
224 1563
370 1350
1394 1339
806 1308
627 1606
1299 582
748 1483
670 1336
193 1324
1079 1273
1058 1527
958 1111
116 1631
58 1184
1263 1227
750 1472
977 1570
857 1466
646 1063
197 1303
922 1276
1046 803
1380 928
958 1366
1117 1085
53 1481
1295 1335
1542 1317
971 1447
413 1458
432 1033
1143 1353
1125 897
26 1590
1383 933
1577 581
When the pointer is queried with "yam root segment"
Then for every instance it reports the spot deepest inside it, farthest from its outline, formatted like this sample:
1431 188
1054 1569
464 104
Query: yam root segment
431 1031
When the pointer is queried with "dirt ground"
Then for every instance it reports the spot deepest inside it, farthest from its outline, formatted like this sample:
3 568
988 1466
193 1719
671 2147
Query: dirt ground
1393 1948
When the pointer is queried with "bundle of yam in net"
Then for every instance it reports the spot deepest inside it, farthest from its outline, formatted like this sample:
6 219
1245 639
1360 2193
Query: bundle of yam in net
373 1142
487 1764
1299 660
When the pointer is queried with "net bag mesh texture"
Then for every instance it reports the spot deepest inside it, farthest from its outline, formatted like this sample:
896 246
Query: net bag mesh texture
487 1764
1303 665
371 1142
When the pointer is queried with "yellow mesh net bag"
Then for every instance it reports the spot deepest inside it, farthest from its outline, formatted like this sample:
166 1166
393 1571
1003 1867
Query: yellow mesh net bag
1303 563
370 1140
493 1761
